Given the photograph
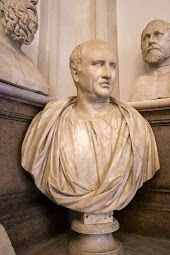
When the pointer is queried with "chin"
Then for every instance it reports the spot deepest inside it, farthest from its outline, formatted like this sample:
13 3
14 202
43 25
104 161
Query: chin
154 58
105 95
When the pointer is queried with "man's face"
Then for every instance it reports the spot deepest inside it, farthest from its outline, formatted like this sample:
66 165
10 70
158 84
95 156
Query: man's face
97 72
155 43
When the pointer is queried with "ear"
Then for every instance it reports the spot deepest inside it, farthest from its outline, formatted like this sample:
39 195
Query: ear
75 74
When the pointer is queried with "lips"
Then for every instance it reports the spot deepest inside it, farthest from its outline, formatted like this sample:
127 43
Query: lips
153 48
105 85
104 82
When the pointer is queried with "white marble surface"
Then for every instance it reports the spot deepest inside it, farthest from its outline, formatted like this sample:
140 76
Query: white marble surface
155 45
22 94
15 66
90 218
132 17
150 104
97 151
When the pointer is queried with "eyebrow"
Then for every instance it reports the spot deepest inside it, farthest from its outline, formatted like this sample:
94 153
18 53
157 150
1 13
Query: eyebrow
158 32
103 61
97 61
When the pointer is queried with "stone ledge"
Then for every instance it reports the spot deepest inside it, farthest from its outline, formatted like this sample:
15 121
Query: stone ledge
151 104
23 95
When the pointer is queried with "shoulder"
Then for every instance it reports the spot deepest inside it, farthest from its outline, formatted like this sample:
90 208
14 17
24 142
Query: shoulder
127 111
60 103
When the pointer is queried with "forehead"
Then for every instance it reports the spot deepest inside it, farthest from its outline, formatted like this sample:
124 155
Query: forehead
99 52
155 26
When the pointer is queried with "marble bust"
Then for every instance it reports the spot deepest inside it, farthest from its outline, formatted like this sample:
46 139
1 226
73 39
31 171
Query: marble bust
18 24
90 153
155 45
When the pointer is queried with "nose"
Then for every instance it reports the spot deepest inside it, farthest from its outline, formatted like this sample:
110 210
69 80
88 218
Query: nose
151 40
106 73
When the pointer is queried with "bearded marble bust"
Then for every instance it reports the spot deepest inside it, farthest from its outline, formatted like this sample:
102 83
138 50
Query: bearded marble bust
155 45
18 25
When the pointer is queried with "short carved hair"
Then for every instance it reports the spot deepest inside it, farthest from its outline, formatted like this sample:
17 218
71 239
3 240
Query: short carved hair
19 19
78 55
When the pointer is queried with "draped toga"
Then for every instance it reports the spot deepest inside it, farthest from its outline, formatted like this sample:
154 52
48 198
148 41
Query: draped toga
91 165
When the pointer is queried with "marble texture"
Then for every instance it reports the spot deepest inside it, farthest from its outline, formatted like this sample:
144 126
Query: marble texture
23 95
91 153
95 239
90 218
151 104
155 45
15 66
91 172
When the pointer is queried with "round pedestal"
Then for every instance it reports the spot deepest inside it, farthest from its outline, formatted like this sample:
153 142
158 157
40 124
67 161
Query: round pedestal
95 239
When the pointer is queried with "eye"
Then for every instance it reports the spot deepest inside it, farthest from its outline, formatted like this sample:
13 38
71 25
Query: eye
98 63
112 65
158 34
147 36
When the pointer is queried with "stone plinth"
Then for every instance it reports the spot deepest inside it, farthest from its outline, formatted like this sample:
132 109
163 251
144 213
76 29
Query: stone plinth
95 239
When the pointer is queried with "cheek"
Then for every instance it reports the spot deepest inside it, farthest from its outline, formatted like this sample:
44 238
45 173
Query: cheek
165 44
113 75
144 47
94 76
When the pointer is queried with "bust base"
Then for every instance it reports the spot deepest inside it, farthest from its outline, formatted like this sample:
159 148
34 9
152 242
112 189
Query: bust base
95 239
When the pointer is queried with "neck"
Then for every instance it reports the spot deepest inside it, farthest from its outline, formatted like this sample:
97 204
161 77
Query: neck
91 108
7 41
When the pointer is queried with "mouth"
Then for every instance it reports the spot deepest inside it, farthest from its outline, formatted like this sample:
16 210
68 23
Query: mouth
153 48
105 85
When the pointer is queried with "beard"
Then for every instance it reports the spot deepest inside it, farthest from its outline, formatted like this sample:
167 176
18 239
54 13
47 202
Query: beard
155 54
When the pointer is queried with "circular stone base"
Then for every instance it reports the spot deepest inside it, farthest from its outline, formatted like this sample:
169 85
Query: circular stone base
101 228
95 245
95 239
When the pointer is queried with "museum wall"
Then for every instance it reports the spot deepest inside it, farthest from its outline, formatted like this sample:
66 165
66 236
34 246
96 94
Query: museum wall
132 17
62 27
83 20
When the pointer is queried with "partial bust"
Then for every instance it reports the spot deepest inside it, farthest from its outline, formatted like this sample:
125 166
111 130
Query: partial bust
18 25
90 153
155 45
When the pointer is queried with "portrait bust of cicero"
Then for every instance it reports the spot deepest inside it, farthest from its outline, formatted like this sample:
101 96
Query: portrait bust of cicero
18 25
90 153
155 45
